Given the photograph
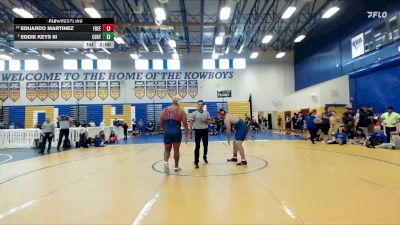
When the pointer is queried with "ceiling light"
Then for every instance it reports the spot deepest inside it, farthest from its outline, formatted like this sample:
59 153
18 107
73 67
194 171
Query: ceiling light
288 12
119 40
241 49
134 56
299 38
224 13
92 12
214 55
5 57
175 56
280 55
172 43
160 14
266 39
91 56
106 51
254 55
47 56
330 12
219 40
22 12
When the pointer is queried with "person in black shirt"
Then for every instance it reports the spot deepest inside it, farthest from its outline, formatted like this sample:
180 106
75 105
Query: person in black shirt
359 137
363 120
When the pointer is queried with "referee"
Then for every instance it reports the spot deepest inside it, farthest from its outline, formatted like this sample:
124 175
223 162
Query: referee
200 121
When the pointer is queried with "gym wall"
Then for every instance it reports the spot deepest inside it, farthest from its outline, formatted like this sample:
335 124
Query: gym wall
134 94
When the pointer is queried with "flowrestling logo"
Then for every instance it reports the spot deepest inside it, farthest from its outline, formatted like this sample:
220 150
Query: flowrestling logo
377 14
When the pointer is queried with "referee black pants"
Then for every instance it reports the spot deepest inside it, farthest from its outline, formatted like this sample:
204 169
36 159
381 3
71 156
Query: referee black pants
388 130
200 134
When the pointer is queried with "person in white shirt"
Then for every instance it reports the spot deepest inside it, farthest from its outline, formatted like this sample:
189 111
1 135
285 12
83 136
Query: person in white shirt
102 125
200 121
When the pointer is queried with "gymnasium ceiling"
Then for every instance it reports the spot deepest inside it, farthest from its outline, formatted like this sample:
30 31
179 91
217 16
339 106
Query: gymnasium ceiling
193 24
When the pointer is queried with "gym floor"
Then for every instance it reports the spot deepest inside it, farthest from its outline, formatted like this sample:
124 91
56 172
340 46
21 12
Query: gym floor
285 182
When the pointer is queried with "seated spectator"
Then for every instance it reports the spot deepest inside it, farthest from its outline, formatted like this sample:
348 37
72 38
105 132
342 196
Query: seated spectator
320 135
394 141
377 138
98 141
340 137
359 137
150 127
113 138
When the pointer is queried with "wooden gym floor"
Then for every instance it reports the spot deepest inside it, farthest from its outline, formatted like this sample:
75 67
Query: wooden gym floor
286 182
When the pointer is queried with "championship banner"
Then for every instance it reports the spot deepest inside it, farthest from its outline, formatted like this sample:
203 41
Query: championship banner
90 89
139 89
161 89
102 89
115 89
31 90
54 90
182 88
3 91
193 88
14 91
42 90
150 89
78 90
66 90
172 88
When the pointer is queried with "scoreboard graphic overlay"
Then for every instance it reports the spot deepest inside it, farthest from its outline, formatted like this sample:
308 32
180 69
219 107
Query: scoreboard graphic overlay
64 33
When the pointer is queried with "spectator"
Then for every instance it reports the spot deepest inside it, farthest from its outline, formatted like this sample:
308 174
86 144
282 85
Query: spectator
133 126
125 126
370 115
288 123
98 141
102 125
113 138
334 124
340 137
311 126
262 124
357 118
326 123
299 124
390 120
363 120
359 137
102 135
140 124
348 120
48 129
294 122
65 124
376 138
280 123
